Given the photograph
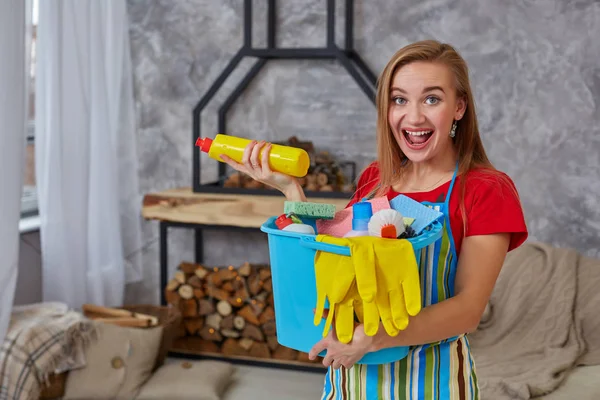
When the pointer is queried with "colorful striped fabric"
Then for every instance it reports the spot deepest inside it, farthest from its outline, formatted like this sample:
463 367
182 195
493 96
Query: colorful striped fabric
437 371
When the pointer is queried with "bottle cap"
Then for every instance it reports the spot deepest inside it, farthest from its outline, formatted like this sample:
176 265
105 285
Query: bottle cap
283 220
204 144
361 214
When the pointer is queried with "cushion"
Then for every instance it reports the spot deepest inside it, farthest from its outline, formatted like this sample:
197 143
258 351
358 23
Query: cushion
197 380
118 363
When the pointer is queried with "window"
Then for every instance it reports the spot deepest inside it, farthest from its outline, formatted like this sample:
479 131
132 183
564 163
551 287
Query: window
29 204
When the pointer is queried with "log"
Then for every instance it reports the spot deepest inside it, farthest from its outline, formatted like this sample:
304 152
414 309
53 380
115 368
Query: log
230 333
188 308
260 350
224 308
270 328
248 314
172 297
195 282
245 269
228 286
267 315
268 285
264 273
205 307
201 272
227 322
253 332
285 353
188 268
214 321
239 323
185 291
180 277
231 347
198 294
254 285
272 342
211 334
172 285
193 325
246 343
218 294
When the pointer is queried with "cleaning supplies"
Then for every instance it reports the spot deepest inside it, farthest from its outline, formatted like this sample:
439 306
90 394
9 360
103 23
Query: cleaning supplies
342 221
361 214
379 282
291 223
387 224
285 159
424 215
336 284
306 209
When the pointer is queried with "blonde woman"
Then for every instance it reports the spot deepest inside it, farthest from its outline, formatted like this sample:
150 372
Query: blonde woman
429 149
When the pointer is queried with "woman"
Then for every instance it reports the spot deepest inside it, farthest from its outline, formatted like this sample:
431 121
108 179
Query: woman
429 149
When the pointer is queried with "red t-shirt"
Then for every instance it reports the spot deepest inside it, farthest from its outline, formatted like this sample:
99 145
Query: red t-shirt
491 205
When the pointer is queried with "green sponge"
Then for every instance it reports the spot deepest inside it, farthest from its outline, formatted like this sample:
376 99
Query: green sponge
309 210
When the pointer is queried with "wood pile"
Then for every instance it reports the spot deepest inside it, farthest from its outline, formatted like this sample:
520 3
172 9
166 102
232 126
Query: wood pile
324 175
228 311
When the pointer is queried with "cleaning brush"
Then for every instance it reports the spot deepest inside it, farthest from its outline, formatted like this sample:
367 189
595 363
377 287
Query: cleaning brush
386 224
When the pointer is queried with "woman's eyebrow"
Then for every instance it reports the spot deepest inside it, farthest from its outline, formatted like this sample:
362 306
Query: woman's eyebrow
425 90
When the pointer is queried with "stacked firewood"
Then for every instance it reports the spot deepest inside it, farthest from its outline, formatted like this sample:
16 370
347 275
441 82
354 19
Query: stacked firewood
324 175
228 310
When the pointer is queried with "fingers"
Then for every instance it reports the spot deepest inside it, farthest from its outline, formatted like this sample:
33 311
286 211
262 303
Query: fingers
386 308
317 348
264 161
255 155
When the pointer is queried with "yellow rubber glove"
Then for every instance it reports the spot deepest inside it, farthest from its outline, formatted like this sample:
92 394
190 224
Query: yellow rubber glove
398 283
363 257
335 277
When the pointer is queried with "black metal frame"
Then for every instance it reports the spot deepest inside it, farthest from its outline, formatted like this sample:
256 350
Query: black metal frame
347 56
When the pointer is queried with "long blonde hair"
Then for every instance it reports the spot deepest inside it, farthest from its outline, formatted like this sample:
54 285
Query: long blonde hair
468 143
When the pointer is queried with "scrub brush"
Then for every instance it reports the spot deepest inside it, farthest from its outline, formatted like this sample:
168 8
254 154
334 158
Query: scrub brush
386 224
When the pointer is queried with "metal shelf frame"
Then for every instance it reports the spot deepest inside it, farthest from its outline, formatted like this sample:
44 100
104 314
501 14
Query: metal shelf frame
347 56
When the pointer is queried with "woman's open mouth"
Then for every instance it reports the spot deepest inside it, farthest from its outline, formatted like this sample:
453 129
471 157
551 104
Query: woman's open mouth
417 139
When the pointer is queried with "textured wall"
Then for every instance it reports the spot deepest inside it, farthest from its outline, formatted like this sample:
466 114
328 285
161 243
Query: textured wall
534 69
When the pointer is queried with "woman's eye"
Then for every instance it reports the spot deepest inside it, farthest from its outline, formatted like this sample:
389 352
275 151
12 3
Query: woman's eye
399 100
432 100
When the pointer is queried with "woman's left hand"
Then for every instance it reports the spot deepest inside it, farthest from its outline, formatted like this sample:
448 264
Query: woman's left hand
340 354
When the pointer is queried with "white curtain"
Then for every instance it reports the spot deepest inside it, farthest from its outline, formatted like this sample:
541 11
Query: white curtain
15 42
86 162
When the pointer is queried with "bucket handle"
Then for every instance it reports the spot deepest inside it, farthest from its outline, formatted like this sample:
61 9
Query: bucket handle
311 243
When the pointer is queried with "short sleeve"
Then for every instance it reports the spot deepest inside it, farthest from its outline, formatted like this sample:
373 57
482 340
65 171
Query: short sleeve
366 182
495 207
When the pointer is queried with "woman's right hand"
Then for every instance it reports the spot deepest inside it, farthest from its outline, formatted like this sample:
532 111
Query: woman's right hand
257 167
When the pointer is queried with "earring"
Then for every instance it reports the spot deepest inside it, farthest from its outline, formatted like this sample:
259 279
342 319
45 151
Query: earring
453 130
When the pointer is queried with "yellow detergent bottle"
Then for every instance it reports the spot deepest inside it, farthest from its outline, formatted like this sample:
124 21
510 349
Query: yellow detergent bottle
285 159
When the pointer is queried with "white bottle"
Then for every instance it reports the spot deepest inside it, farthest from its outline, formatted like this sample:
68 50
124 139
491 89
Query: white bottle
361 215
285 223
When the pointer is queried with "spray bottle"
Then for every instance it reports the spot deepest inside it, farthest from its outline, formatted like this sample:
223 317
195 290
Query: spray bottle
287 160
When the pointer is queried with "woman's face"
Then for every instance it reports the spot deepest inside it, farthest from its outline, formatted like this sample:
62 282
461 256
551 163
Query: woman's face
423 105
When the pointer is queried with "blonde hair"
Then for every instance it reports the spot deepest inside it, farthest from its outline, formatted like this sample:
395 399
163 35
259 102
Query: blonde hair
468 143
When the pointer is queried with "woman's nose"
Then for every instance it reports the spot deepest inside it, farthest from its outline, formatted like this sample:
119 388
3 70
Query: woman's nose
414 114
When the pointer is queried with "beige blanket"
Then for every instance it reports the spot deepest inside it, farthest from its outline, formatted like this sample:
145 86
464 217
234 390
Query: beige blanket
541 322
42 339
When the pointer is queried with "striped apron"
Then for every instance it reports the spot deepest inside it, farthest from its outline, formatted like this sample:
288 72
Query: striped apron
443 370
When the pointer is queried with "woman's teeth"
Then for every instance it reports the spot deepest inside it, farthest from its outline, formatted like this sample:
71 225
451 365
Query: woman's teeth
418 137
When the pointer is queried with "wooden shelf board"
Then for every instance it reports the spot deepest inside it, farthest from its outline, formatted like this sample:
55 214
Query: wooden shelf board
240 210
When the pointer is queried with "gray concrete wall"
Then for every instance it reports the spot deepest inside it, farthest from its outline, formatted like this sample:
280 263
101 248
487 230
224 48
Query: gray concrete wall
534 70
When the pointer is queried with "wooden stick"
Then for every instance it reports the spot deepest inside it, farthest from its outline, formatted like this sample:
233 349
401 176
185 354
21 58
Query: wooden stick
116 312
126 321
